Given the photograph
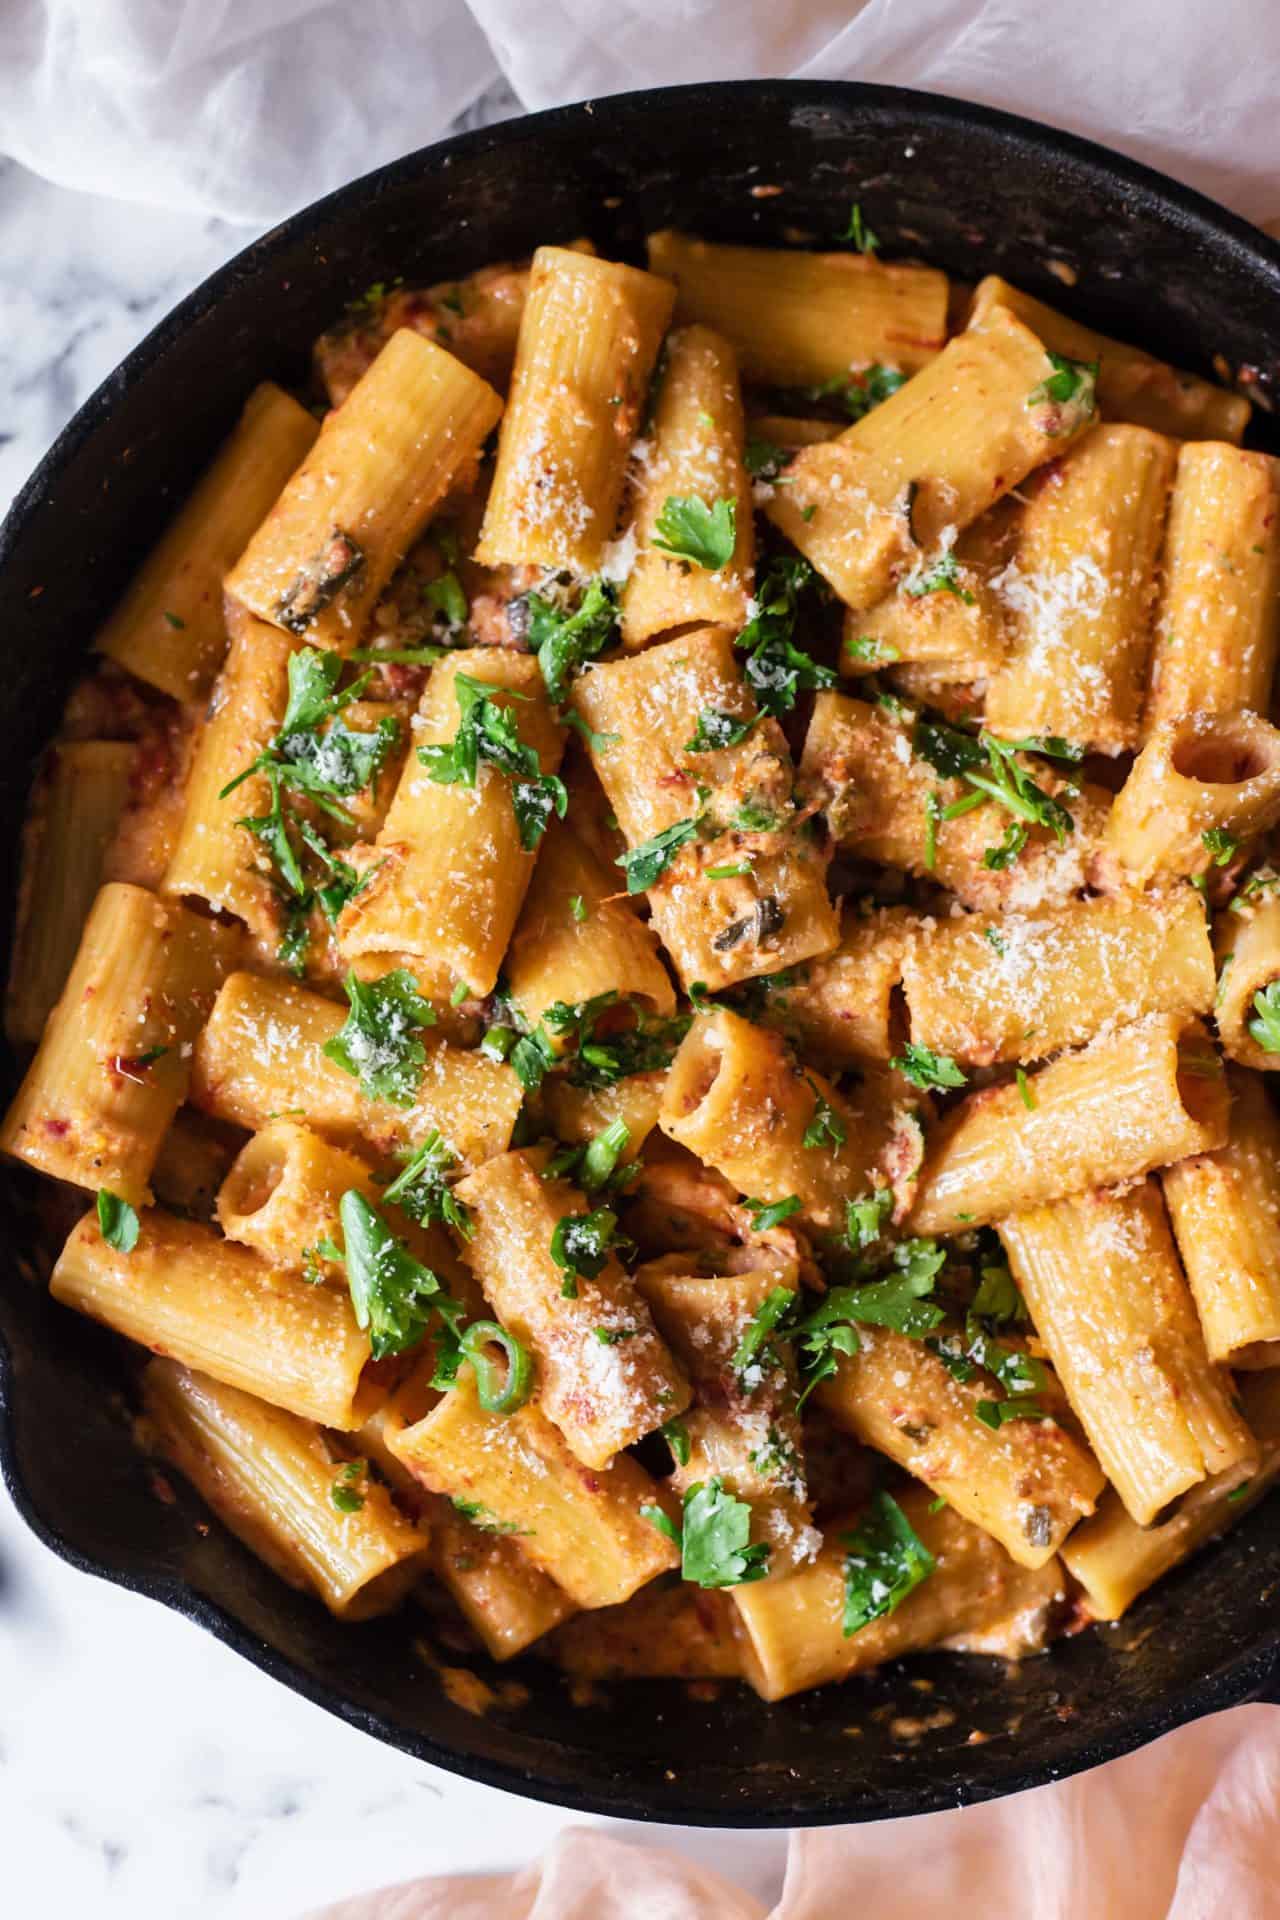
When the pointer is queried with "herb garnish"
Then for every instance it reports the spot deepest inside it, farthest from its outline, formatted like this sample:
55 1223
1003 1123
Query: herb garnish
714 1536
1222 845
1265 1029
857 231
716 729
886 1560
942 577
379 1044
690 530
581 1245
347 1493
419 1188
925 1069
564 642
117 1221
487 733
777 670
393 1295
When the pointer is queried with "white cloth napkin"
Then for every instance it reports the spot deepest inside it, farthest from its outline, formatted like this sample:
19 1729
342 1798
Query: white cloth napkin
250 108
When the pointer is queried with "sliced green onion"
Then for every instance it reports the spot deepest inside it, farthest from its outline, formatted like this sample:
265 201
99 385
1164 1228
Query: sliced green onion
499 1392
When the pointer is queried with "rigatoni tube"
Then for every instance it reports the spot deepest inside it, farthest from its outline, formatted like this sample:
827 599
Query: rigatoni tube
927 461
1131 1101
797 318
692 451
1080 593
448 871
1204 774
1219 609
1101 1279
113 1066
261 1055
1020 986
1225 1209
384 460
975 1599
736 1099
1026 1482
1115 1560
1132 385
1246 946
182 1290
604 1375
586 1529
272 1478
589 336
169 628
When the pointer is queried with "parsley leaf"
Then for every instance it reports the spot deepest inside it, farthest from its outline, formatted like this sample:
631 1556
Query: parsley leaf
773 1309
826 1127
1222 845
676 1435
379 1044
419 1188
1071 380
594 1165
924 1068
714 1538
346 1492
582 1242
988 766
393 1295
868 650
886 1560
942 577
646 864
860 234
776 669
564 642
997 1413
716 729
117 1221
762 458
996 859
487 733
771 1213
1265 1029
865 1218
691 530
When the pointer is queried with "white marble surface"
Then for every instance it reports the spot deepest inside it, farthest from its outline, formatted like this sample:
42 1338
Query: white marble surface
145 1771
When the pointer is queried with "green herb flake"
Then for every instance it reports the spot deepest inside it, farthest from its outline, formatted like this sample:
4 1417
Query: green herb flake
175 620
859 232
926 1069
579 908
582 1242
487 734
346 1493
393 1295
714 1539
942 577
420 1190
1265 1028
885 1561
717 729
868 651
646 864
766 1214
998 1413
826 1128
1024 1089
676 1435
564 642
117 1221
690 530
379 1043
748 1355
1222 845
1071 382
777 671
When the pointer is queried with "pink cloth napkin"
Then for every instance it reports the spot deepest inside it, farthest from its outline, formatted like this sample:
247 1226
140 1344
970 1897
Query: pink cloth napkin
1186 1829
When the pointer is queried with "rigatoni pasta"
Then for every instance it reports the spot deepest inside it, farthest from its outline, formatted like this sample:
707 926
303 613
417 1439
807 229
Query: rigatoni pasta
549 1071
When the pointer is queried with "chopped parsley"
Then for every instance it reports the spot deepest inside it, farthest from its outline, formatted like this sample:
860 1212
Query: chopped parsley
869 651
1265 1027
379 1045
1222 845
996 859
762 458
690 530
900 1300
393 1295
347 1493
933 813
714 1537
858 231
1071 380
925 1069
487 733
865 1219
716 729
885 1561
581 1245
485 1519
564 642
942 577
676 1435
771 1213
989 767
579 908
117 1221
614 1336
419 1188
644 865
998 1413
777 671
826 1128
758 1333
1024 1089
601 1061
175 620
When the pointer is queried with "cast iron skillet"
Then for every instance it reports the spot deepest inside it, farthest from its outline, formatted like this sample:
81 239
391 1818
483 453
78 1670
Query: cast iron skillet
970 190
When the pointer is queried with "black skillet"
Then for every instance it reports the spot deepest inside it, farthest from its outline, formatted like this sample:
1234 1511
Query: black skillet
969 190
